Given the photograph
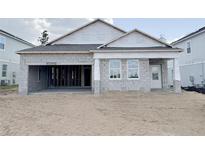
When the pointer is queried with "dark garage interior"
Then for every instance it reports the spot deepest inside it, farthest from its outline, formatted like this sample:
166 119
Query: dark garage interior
59 77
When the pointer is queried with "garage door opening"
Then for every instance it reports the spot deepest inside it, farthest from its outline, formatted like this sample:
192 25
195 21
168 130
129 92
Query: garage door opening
59 77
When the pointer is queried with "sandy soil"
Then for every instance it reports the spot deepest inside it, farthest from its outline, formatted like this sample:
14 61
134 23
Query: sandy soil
131 113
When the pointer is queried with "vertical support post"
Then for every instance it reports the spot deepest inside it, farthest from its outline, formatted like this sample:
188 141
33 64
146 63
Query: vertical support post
24 77
97 76
177 77
82 76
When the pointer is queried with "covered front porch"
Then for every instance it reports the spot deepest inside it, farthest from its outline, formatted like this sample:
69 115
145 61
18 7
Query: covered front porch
153 70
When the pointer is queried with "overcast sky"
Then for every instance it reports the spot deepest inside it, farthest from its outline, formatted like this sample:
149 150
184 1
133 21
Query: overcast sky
30 29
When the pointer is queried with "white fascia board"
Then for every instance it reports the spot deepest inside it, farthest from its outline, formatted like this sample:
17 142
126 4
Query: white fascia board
51 52
144 55
125 51
56 63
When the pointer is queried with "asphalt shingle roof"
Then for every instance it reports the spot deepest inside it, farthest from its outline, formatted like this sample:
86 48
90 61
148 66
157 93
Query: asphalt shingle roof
86 47
65 47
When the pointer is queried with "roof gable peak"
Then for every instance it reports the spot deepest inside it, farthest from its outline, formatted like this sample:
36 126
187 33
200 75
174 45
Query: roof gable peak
138 31
86 25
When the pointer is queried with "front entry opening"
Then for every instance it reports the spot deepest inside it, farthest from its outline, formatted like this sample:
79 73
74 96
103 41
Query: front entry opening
156 77
69 76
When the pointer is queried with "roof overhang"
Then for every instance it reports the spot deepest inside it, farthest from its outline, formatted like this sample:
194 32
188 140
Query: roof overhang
102 51
136 55
52 52
140 50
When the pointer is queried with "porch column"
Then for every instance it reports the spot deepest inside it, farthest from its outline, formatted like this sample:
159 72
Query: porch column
176 76
97 77
23 79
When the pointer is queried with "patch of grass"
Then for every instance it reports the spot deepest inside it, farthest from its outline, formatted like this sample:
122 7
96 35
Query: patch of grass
9 87
5 90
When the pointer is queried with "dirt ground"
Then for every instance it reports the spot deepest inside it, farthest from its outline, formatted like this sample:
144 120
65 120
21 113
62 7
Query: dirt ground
116 113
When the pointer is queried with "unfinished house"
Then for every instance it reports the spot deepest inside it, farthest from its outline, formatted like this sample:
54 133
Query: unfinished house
99 57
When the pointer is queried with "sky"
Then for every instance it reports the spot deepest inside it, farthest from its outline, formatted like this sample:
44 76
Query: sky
30 29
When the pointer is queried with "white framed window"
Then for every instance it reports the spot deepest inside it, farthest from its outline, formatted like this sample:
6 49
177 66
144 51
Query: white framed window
4 70
115 69
188 49
133 69
2 43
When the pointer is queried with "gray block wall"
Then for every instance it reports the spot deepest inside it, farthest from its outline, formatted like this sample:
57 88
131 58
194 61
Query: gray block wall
124 84
32 61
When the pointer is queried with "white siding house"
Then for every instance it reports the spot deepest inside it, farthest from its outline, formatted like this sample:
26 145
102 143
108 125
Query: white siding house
192 60
9 60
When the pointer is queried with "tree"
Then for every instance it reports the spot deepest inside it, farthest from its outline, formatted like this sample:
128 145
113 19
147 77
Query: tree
44 37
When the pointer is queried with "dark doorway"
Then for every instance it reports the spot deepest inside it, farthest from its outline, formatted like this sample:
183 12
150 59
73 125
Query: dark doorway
69 76
87 76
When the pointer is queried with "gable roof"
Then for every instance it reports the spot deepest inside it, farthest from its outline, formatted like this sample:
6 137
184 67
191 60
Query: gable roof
138 31
15 37
90 23
199 31
87 48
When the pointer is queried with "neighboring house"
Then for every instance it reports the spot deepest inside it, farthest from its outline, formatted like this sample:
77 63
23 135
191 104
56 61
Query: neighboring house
192 60
101 57
9 60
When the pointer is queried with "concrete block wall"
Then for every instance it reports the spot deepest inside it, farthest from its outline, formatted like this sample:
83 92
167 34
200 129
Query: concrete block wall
23 77
58 59
124 84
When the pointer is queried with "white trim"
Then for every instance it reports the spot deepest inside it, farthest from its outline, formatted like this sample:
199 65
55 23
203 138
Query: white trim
128 55
116 68
138 50
46 63
51 52
98 51
133 68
